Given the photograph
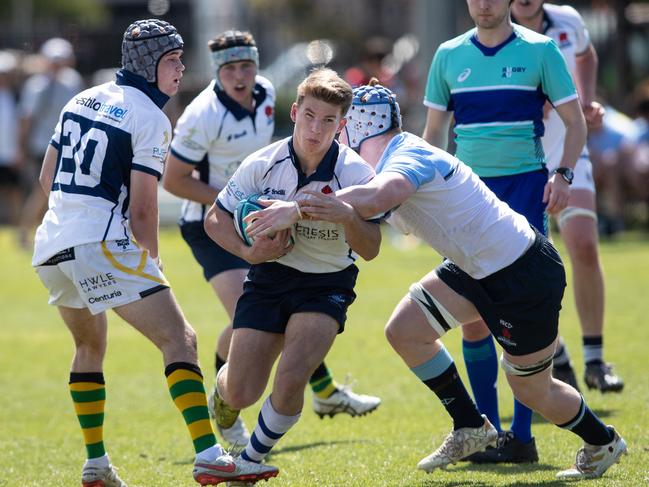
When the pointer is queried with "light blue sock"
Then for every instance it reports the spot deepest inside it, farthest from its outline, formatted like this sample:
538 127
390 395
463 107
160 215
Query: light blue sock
481 363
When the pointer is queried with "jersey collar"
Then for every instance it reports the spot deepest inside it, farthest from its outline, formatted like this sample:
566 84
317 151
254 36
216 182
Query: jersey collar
126 78
258 95
546 24
325 170
491 51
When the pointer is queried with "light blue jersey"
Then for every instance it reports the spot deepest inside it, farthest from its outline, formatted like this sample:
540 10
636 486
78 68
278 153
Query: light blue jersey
497 96
452 210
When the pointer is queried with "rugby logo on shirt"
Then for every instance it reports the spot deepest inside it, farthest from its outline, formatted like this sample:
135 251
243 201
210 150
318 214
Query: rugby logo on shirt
563 40
508 71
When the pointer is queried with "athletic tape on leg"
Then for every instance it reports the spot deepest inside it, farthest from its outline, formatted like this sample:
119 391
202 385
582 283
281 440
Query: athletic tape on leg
524 370
438 317
572 211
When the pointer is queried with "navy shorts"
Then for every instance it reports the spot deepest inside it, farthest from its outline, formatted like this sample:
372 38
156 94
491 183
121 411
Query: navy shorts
524 194
273 292
213 258
520 303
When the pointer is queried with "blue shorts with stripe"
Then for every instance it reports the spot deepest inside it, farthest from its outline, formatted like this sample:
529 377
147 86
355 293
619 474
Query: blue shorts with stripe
213 258
520 303
272 292
524 194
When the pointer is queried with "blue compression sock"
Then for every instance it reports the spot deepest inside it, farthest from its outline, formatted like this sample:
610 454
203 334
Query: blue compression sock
522 422
481 363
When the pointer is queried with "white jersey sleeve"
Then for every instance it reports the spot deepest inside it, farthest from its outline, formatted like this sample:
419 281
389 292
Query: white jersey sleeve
192 139
150 144
244 182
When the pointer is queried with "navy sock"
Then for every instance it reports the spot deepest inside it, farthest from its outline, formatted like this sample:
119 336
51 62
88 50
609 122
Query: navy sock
441 377
588 426
481 363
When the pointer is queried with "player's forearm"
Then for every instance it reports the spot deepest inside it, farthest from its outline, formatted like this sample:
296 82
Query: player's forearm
219 227
144 225
46 176
574 143
189 188
363 237
586 76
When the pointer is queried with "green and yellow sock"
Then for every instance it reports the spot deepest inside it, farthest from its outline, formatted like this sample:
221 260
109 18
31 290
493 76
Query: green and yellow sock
88 393
185 383
322 382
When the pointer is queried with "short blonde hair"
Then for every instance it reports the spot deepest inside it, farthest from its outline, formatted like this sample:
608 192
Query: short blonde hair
325 85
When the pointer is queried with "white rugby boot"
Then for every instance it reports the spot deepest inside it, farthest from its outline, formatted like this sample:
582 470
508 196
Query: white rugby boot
227 468
93 476
593 460
344 400
459 444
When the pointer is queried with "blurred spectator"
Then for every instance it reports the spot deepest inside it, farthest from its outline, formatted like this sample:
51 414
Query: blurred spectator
372 65
9 175
42 98
610 148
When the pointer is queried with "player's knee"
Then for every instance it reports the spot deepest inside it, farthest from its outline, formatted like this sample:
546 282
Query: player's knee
394 335
476 331
585 250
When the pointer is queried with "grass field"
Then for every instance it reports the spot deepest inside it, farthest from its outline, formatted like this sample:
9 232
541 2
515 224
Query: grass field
40 442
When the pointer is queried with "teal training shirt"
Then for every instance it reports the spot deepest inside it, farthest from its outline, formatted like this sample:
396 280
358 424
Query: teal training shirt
497 96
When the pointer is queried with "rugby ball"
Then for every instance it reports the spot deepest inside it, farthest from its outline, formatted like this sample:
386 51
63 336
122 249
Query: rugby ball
242 210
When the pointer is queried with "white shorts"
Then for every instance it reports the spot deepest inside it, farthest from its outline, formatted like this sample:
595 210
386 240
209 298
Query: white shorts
583 173
100 275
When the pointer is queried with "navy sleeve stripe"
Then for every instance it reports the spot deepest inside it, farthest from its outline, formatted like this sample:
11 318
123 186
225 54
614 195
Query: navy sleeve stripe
148 170
218 203
55 144
183 158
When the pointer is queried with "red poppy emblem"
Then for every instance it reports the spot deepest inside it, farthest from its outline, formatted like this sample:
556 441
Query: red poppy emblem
327 190
269 111
563 37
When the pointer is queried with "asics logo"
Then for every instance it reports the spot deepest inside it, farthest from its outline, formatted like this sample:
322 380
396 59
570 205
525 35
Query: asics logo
464 75
446 401
227 468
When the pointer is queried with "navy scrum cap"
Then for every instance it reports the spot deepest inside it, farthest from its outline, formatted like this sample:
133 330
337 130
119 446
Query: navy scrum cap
144 43
374 111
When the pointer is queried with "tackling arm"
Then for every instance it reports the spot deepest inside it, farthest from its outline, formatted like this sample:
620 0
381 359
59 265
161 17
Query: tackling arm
382 194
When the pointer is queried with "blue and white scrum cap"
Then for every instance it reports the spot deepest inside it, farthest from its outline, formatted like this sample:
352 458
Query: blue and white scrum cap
144 44
230 47
374 111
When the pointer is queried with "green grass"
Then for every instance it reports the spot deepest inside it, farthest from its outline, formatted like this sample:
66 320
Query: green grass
40 442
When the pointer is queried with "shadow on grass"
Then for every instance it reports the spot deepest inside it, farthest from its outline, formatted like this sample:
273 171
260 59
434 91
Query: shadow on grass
279 451
478 483
315 444
538 419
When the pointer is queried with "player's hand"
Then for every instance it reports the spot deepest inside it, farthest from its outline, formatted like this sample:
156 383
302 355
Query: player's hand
278 215
265 249
556 194
327 207
594 115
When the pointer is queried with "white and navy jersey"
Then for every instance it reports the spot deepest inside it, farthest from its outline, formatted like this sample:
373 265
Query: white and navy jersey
275 171
565 26
103 134
453 210
215 134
